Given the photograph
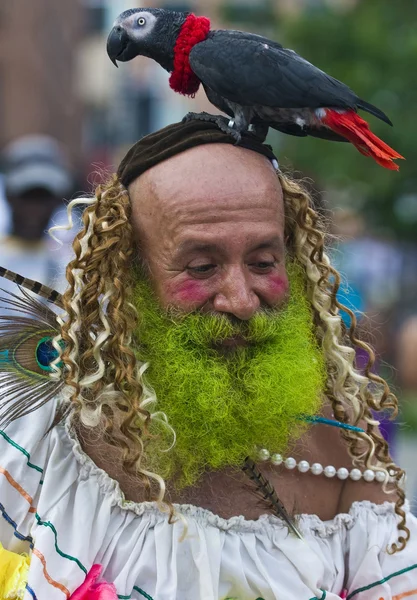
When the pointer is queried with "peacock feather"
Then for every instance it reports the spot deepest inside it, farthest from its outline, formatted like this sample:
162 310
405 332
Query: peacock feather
26 355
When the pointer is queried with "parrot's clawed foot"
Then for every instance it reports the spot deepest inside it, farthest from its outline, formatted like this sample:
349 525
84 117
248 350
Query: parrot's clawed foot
233 131
202 116
260 130
229 125
220 121
223 123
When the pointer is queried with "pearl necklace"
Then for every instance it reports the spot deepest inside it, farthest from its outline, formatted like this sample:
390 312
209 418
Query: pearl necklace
303 466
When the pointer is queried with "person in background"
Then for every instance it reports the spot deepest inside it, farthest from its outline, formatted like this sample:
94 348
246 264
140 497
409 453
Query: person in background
407 375
36 179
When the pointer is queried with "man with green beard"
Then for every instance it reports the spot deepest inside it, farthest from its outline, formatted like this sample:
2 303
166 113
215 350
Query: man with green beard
213 439
229 383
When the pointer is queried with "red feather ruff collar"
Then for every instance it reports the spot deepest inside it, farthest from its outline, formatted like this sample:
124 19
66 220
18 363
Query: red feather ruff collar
183 79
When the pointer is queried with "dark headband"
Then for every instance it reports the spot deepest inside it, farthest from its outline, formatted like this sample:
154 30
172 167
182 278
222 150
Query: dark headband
176 138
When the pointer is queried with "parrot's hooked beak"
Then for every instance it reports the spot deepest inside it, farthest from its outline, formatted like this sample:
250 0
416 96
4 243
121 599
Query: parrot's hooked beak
117 43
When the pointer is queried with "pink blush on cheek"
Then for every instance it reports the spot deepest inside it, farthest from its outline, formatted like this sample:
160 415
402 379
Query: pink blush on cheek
190 292
278 285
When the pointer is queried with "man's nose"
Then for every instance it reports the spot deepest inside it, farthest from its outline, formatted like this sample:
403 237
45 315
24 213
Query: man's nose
236 296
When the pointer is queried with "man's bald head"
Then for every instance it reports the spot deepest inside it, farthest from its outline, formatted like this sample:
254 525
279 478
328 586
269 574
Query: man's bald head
210 224
207 173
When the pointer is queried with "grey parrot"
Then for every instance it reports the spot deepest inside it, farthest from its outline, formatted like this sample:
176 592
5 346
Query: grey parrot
254 80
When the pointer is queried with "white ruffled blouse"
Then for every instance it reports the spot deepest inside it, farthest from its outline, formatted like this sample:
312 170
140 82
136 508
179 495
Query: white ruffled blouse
68 515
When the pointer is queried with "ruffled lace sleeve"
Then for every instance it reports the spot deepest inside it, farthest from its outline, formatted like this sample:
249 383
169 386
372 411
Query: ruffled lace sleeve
373 573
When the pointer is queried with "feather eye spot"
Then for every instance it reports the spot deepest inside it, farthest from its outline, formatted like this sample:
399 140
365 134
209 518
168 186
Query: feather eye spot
45 353
25 355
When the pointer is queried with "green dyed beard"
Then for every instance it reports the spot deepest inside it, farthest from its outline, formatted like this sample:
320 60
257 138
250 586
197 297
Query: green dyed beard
221 406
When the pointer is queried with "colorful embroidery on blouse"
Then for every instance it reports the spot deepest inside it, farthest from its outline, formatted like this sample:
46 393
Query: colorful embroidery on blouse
403 595
48 578
139 591
20 536
381 581
14 569
16 486
22 450
31 592
68 556
322 597
93 589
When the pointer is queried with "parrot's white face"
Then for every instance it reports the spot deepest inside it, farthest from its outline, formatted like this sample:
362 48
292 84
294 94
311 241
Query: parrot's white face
138 25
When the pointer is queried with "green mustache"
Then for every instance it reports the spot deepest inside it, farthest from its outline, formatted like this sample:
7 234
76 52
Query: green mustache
210 330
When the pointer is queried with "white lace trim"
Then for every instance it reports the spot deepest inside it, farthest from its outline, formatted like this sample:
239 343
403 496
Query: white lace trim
341 521
238 524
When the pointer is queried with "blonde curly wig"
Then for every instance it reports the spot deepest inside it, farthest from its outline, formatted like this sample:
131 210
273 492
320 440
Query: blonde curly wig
105 376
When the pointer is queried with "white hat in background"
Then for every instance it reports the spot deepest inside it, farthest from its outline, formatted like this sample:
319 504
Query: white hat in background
36 161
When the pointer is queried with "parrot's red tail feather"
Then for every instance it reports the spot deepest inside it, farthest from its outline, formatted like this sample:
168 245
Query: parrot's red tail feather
355 129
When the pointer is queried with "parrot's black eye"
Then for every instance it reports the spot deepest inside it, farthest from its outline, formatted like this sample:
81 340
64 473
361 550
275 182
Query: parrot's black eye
141 21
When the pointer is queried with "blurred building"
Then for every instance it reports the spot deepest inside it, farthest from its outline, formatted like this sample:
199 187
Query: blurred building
38 42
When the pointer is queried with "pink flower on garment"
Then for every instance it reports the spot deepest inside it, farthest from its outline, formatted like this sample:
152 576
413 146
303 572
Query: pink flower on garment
93 590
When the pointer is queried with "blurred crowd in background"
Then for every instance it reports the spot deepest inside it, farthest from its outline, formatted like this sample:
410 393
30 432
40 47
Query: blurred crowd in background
67 116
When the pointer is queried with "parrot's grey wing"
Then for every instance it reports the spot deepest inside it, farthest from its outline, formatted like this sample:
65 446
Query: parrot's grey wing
251 70
245 35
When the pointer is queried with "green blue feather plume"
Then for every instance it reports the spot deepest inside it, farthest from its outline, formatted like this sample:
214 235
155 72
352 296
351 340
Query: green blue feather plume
26 356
